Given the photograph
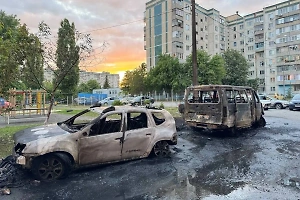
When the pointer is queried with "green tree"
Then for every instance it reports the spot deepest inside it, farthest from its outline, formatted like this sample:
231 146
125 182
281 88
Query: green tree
106 83
91 85
126 82
72 47
254 83
237 68
31 72
83 88
67 58
134 82
9 56
211 70
168 75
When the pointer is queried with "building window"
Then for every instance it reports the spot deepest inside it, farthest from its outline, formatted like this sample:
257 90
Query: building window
187 47
234 44
187 27
241 27
216 28
262 72
187 37
187 17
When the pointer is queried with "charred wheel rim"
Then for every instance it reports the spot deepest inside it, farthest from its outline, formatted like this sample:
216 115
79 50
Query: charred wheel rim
161 149
50 168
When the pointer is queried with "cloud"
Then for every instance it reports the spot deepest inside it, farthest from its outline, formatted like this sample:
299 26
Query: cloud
119 23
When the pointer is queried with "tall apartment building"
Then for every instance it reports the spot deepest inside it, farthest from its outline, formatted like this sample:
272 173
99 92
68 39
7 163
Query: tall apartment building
269 39
84 77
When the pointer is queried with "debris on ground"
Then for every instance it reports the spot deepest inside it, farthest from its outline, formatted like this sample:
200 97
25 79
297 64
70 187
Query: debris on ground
5 191
11 175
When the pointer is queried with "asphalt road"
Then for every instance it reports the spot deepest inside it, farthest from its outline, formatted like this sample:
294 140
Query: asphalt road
259 164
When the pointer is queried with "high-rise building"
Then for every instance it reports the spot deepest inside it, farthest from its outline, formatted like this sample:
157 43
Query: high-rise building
269 39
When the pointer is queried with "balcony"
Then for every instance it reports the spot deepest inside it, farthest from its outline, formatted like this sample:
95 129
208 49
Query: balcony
259 31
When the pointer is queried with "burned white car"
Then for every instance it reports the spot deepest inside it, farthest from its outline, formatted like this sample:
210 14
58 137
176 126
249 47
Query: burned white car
95 136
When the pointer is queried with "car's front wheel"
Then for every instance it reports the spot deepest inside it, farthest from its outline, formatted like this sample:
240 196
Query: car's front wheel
278 106
52 166
161 149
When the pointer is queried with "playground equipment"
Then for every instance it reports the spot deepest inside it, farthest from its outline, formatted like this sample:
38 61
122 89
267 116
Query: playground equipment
21 102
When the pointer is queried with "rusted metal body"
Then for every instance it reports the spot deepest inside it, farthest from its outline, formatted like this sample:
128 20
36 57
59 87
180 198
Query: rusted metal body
102 139
221 107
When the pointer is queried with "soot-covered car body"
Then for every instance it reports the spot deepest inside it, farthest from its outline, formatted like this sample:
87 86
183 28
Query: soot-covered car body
107 135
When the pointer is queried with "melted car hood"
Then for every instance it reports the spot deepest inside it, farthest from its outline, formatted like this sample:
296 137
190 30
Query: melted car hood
31 134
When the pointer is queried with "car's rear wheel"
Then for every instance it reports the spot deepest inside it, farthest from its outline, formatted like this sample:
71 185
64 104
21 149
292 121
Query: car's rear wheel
105 104
261 122
278 106
52 166
161 149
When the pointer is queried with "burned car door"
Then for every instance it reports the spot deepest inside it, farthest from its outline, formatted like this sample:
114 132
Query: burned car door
104 143
138 135
243 113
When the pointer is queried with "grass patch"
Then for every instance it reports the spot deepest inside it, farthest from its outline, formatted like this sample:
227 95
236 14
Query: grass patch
173 111
6 140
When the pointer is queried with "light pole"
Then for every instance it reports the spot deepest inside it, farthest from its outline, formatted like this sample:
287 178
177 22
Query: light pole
194 47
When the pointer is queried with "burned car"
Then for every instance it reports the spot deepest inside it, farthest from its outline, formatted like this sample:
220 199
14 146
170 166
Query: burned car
222 107
95 136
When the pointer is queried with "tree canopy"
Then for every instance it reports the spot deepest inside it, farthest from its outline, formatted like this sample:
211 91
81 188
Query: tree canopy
237 68
211 70
67 58
134 81
168 75
19 49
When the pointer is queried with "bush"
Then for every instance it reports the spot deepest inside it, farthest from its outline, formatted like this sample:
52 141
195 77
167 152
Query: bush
147 102
117 103
161 106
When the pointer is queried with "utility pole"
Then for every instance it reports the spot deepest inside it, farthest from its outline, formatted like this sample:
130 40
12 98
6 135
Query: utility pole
194 45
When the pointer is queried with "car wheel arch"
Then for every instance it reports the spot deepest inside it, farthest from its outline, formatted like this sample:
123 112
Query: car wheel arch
64 163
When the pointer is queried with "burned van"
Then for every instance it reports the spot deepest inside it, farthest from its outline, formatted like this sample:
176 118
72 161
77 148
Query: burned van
222 107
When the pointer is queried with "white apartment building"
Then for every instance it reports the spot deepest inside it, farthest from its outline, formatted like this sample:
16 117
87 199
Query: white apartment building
84 77
269 39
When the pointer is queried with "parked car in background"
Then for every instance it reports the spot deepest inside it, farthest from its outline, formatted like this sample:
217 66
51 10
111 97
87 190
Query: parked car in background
266 104
275 103
97 135
108 101
295 103
86 101
140 100
4 104
126 100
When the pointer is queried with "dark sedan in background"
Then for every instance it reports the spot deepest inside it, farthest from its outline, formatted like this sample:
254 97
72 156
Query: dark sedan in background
295 103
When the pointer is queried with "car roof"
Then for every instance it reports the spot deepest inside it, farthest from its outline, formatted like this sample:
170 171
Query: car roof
126 108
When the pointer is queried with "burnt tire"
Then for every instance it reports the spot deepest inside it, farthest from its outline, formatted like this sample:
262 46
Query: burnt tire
51 166
161 149
278 106
261 122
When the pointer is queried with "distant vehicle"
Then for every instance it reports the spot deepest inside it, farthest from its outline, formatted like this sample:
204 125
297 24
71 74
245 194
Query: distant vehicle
266 103
295 103
126 100
86 101
222 107
108 101
139 100
4 104
276 103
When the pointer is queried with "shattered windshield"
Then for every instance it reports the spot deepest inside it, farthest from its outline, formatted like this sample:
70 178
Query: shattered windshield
79 121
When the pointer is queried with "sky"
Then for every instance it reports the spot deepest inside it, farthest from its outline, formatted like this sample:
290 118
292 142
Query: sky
117 24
